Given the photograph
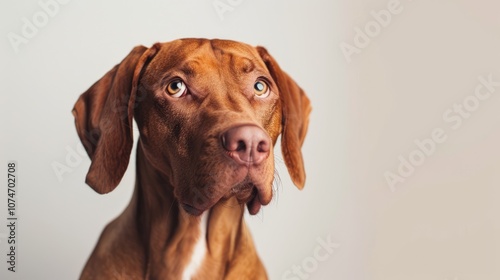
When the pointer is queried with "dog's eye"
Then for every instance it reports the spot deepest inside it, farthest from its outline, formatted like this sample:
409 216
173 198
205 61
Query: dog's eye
261 89
176 88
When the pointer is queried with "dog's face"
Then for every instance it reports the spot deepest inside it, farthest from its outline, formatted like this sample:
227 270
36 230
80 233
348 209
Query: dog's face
196 91
209 113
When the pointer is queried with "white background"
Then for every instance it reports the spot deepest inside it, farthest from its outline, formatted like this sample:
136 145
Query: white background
442 222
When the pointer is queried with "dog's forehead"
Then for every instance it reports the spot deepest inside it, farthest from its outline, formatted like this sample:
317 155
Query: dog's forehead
196 56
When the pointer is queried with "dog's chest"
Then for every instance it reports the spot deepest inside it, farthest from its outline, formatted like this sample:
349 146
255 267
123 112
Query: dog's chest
199 250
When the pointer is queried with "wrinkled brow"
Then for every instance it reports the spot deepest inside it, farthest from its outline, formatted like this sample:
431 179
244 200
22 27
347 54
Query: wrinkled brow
189 67
244 65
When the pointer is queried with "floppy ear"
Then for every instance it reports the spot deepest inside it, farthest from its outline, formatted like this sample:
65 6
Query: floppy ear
103 119
295 118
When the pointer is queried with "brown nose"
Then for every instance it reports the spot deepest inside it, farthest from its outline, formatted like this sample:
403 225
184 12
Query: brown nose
247 144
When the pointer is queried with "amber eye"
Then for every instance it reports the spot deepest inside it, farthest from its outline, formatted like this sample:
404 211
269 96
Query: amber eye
261 89
176 88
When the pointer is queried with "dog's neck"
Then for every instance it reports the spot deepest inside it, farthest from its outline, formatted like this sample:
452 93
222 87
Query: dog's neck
169 234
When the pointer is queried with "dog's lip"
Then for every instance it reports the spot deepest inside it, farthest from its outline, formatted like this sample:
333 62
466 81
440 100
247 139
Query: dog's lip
251 193
256 199
254 204
191 209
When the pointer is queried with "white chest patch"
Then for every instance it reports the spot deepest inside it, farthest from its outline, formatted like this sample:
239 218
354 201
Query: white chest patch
199 250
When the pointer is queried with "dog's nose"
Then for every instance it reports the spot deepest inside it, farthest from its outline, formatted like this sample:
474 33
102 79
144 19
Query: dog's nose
247 144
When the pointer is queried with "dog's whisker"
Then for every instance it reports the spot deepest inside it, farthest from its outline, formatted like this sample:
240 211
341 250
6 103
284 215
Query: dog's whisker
277 183
170 208
260 215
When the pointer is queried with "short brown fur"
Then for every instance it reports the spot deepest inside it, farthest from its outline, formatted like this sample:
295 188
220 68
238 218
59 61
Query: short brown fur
180 159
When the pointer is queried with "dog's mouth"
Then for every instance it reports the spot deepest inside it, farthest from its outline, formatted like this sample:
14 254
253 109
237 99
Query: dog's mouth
248 193
245 193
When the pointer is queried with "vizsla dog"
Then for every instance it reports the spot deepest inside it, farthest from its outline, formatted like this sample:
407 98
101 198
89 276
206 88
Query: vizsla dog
209 113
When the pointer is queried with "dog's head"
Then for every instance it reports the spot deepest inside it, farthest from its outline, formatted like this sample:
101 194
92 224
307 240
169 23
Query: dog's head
209 113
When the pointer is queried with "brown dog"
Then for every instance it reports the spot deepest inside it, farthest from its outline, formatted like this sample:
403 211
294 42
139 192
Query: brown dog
209 113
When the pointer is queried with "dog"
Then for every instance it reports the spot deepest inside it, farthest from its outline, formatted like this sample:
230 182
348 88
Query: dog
209 113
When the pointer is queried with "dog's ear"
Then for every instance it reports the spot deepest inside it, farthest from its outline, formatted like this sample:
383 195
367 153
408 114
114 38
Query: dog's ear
103 119
296 108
